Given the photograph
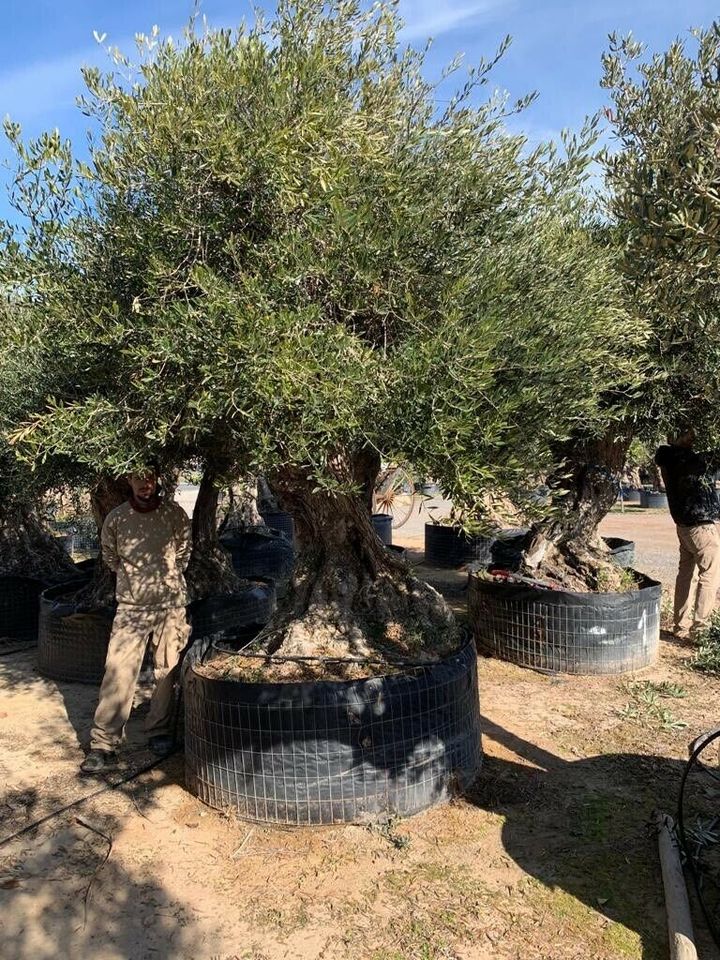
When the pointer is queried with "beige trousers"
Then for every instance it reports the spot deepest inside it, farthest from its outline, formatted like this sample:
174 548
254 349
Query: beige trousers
698 576
168 631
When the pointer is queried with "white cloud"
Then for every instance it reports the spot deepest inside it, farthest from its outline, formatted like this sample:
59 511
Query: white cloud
430 18
33 90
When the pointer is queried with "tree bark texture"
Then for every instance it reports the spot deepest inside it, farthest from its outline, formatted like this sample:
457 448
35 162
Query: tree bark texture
349 596
210 571
27 549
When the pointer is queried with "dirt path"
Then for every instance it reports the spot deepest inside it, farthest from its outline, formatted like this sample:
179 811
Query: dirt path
549 859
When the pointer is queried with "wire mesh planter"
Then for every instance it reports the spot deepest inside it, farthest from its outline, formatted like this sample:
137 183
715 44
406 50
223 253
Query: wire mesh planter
330 751
19 601
72 645
653 500
566 632
81 534
283 522
449 547
221 616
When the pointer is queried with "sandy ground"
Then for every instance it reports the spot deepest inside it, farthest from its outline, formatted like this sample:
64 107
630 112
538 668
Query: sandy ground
549 858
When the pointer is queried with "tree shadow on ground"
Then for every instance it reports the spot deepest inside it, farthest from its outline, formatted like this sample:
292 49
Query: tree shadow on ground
65 893
584 828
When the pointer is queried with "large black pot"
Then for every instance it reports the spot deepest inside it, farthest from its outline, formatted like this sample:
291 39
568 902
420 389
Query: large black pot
19 599
655 501
450 547
283 522
328 752
223 615
73 646
260 553
557 630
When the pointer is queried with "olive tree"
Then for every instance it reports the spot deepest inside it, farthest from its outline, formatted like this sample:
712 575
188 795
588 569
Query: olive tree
283 256
663 175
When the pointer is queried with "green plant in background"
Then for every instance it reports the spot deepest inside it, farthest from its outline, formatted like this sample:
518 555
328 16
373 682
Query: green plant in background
282 255
662 180
707 655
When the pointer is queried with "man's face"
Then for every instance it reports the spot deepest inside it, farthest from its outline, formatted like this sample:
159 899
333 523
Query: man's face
144 485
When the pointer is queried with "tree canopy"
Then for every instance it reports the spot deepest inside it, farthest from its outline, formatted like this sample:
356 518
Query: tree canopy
283 248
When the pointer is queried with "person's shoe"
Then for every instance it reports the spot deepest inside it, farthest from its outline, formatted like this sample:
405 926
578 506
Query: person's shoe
161 745
98 761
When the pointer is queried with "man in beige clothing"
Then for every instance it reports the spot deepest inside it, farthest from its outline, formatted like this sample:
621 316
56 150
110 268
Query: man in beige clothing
146 542
695 509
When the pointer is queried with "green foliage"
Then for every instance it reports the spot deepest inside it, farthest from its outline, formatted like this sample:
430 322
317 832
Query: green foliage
707 656
645 706
280 250
663 181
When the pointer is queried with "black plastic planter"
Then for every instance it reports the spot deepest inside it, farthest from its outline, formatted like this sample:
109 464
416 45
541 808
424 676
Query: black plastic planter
223 615
72 646
654 501
629 495
556 630
622 552
382 525
19 599
283 522
396 550
329 752
450 547
260 553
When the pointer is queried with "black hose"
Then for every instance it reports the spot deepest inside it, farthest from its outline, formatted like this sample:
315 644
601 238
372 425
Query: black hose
88 796
696 749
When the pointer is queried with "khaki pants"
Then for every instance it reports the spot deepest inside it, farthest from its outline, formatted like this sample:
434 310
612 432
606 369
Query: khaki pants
698 576
169 632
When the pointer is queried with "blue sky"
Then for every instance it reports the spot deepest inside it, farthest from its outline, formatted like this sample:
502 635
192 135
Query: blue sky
556 48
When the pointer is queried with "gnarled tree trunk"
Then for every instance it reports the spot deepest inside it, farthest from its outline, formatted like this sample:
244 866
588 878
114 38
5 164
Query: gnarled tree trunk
590 476
27 549
210 571
107 494
349 596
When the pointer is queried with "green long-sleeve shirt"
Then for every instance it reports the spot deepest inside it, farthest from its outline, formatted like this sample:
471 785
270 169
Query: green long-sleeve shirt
149 552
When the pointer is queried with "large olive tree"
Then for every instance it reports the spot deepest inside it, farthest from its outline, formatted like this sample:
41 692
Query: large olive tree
284 255
663 175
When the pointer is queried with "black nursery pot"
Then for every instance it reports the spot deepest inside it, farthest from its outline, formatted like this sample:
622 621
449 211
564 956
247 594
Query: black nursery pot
282 522
566 632
653 501
260 553
72 645
382 525
19 604
329 752
450 547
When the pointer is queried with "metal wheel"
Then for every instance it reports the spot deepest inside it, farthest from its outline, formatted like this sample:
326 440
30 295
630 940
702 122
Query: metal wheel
395 494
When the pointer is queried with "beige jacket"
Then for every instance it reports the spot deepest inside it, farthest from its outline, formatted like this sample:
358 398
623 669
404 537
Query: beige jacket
149 552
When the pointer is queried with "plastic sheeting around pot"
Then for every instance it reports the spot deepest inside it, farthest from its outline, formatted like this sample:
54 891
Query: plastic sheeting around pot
622 552
282 522
260 553
449 547
19 600
72 645
224 614
566 632
328 752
